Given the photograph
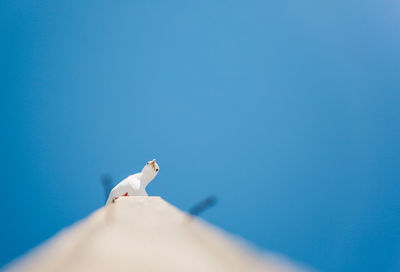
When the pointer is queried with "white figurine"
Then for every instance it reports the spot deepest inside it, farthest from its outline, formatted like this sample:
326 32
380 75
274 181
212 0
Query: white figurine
135 185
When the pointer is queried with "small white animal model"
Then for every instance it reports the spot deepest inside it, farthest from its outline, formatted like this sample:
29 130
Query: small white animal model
135 185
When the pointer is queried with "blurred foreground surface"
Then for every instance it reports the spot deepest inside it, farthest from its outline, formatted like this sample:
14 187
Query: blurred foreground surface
145 234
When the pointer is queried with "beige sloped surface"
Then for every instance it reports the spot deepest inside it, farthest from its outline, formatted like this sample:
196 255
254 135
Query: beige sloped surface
144 234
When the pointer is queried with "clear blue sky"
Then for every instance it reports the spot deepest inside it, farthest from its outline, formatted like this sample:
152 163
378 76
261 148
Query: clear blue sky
288 111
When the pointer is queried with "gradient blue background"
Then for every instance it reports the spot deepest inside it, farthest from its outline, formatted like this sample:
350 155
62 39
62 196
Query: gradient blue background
288 111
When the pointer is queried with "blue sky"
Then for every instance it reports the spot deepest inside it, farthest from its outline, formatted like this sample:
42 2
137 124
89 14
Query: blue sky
287 111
